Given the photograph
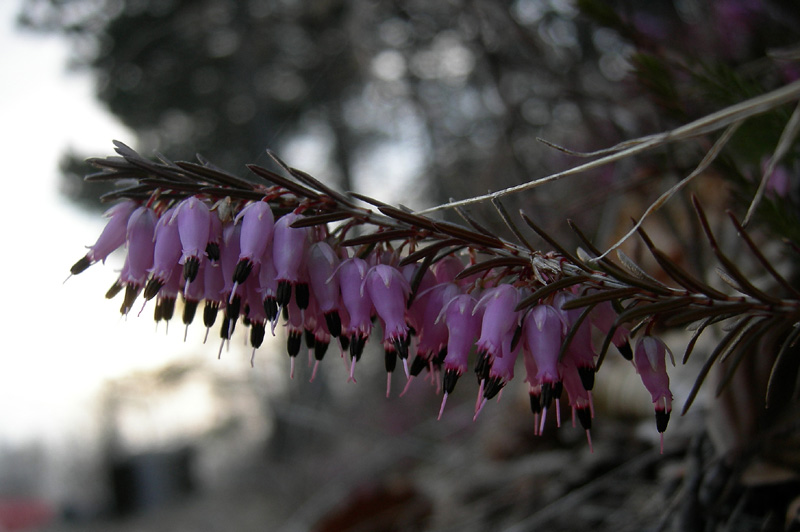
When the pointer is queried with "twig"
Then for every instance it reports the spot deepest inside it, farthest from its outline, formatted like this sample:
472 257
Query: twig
707 124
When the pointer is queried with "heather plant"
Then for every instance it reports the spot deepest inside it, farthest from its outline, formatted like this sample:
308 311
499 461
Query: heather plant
288 252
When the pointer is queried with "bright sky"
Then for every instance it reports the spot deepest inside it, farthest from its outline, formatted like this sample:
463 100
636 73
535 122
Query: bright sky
61 342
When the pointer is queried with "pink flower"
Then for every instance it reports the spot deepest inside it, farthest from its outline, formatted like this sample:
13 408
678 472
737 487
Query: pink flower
194 228
543 332
288 254
650 361
112 237
256 234
139 239
580 351
323 275
463 326
166 253
388 290
357 303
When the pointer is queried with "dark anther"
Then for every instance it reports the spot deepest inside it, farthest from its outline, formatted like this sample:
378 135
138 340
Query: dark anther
558 387
625 350
308 334
168 305
257 335
483 366
493 387
131 293
344 341
189 310
585 417
271 308
285 313
212 250
284 293
536 404
587 377
242 270
438 360
158 313
225 328
210 313
152 288
418 365
302 294
547 394
246 316
293 343
389 360
449 381
190 268
320 348
401 346
334 323
115 289
357 344
662 420
234 308
80 266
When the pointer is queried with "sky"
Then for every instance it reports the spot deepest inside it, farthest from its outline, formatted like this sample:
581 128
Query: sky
62 341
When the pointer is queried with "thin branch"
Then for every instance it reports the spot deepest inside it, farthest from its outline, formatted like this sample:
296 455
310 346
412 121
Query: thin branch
707 124
663 198
788 136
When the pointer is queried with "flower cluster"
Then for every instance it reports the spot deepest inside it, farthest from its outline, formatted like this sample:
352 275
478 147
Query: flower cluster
256 270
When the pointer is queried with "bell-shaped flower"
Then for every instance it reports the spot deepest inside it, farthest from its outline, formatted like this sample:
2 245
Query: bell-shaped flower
192 296
288 253
500 320
112 237
166 253
194 228
543 332
650 361
463 327
500 373
580 400
388 290
139 240
432 333
416 311
581 350
323 276
256 234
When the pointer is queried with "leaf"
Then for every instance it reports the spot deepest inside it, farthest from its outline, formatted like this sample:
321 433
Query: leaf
548 289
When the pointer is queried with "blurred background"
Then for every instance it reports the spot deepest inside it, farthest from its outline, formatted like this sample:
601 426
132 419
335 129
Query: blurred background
111 423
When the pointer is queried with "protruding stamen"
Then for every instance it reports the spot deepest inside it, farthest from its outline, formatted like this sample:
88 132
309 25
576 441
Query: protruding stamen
408 383
480 408
388 384
351 377
441 408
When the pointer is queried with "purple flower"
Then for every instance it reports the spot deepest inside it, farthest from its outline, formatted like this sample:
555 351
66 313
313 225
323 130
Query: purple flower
256 234
288 254
463 326
650 361
139 239
388 290
166 253
323 275
112 237
194 228
580 351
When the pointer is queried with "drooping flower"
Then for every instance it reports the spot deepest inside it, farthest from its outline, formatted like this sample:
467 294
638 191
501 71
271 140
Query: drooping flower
194 228
166 253
388 290
463 327
543 333
323 276
256 234
581 350
603 316
139 240
650 361
288 252
112 237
